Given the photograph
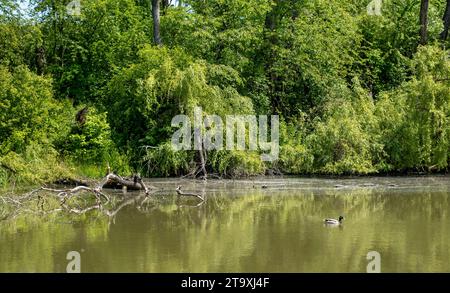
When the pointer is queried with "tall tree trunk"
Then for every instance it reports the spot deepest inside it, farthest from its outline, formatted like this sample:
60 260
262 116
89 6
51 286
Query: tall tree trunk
446 20
424 21
155 15
271 40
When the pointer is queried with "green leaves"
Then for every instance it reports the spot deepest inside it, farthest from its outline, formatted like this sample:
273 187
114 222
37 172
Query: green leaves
89 142
354 91
28 111
405 129
30 121
166 83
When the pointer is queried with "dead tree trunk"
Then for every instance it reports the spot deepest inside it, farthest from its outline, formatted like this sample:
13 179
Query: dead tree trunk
270 42
446 20
424 22
113 180
201 154
40 60
156 22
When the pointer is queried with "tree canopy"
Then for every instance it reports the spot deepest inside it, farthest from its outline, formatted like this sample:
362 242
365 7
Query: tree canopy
356 93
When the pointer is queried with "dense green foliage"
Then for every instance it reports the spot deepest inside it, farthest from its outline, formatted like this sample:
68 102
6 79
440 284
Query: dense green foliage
356 93
30 119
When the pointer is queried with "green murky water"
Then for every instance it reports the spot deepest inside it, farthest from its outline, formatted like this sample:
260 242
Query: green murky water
243 227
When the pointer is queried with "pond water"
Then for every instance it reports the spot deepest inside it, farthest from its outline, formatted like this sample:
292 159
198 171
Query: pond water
260 225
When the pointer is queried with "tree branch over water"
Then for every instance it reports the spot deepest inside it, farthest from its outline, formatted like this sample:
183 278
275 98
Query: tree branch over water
179 192
92 197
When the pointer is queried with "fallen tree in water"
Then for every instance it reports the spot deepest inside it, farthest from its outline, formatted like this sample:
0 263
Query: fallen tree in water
111 180
72 200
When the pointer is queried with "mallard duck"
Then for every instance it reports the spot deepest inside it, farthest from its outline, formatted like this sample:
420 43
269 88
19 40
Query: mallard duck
334 221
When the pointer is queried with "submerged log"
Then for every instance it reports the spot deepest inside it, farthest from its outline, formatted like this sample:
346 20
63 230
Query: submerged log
115 181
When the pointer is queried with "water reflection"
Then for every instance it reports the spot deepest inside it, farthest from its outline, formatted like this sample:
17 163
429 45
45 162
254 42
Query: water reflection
244 230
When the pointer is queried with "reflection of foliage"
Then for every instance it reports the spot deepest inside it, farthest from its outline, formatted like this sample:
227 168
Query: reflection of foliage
255 230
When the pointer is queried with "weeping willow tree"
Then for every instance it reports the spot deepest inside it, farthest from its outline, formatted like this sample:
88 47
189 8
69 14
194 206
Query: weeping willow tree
413 118
424 127
167 82
404 129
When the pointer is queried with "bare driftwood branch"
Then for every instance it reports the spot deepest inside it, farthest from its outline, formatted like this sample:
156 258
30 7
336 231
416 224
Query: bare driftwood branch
179 192
36 199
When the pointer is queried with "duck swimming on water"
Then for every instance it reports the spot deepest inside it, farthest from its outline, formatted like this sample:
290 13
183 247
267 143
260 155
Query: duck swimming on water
334 221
